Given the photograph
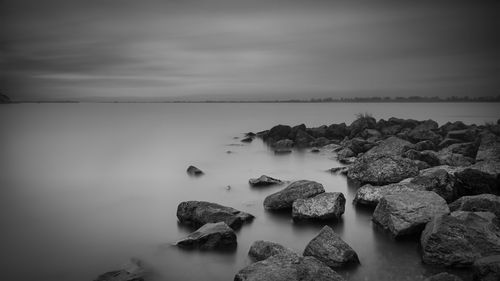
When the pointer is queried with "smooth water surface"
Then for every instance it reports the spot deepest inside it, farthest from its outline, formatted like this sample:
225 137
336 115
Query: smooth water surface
85 187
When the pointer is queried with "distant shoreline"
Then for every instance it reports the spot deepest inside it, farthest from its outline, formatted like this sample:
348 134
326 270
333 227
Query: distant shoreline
391 101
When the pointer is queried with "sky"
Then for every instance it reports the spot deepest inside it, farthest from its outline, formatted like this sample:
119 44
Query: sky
247 49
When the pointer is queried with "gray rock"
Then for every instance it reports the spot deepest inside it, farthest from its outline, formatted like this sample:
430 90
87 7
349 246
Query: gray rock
390 146
370 195
261 250
428 156
210 236
487 268
465 135
286 143
460 238
358 145
247 139
330 205
425 131
329 248
360 124
439 181
198 213
443 276
407 213
345 153
320 142
264 181
282 151
454 159
337 131
133 271
489 148
339 170
288 267
299 189
192 170
277 133
478 203
382 169
303 139
474 182
468 149
425 145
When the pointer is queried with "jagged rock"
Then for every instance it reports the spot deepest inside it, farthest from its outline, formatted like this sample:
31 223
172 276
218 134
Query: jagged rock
295 130
428 156
210 236
360 124
382 169
443 276
478 203
468 149
303 139
457 125
261 250
489 148
320 142
264 181
329 248
247 140
460 238
474 182
465 135
192 170
358 145
330 205
424 131
198 213
487 268
288 267
317 132
370 195
390 146
425 145
439 181
133 271
277 133
370 133
447 142
407 213
345 153
299 189
337 131
454 159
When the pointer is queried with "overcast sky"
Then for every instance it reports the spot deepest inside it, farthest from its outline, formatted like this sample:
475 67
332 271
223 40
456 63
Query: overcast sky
247 49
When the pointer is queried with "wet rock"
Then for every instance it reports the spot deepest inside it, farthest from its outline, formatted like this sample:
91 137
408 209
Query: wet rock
282 151
439 181
478 203
251 135
277 133
443 276
487 268
382 169
358 145
315 150
247 140
288 267
299 189
303 139
317 132
407 213
337 131
460 238
261 250
347 161
390 146
428 156
320 142
339 170
210 236
295 130
370 195
345 153
198 213
285 143
192 170
330 205
329 248
133 271
264 181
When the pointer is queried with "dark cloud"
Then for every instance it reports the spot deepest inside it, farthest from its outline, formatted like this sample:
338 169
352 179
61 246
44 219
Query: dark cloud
236 49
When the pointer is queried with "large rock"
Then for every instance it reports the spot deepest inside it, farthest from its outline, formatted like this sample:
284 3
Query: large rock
425 131
198 213
303 139
277 133
428 156
443 276
337 131
455 159
284 143
440 181
466 135
192 170
357 145
489 148
370 195
133 271
360 124
460 238
330 205
407 213
390 146
299 189
288 267
474 182
487 268
261 250
468 149
478 203
382 169
210 236
329 248
264 181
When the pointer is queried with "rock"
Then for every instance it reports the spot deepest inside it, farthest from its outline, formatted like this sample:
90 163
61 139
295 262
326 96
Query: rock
282 151
347 161
286 143
329 248
382 169
474 182
299 189
192 170
288 267
261 250
339 170
337 131
358 145
330 205
407 213
264 181
303 139
391 130
315 150
457 125
198 213
487 268
360 124
277 133
460 238
425 145
447 142
210 236
465 135
317 132
453 159
439 181
489 148
425 131
247 140
251 134
320 142
468 149
478 203
443 276
295 130
345 153
428 156
133 271
370 133
370 195
390 146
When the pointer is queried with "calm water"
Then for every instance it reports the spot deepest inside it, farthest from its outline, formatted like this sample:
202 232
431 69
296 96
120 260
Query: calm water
84 187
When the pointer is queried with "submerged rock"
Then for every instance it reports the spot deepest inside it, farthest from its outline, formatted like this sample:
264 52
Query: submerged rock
487 268
478 203
247 139
370 195
382 169
407 213
286 143
133 271
299 189
210 236
261 250
339 170
460 238
330 205
329 248
192 170
264 181
443 276
198 213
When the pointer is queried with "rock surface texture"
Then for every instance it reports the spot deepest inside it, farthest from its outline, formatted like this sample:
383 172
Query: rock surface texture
261 250
330 205
296 190
210 236
198 213
382 169
264 181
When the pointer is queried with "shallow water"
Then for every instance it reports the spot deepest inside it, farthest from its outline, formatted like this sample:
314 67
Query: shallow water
84 187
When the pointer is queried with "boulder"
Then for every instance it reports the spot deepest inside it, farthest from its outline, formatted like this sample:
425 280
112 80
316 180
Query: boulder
210 236
299 189
198 213
425 145
454 159
489 148
329 205
303 139
339 170
439 181
390 146
425 131
278 132
460 238
261 250
360 124
478 203
247 139
132 271
468 149
284 143
317 132
315 150
443 276
345 153
320 142
447 142
465 135
428 156
264 181
329 248
192 170
295 130
370 133
358 145
457 125
382 169
487 268
337 131
407 213
370 195
288 267
474 182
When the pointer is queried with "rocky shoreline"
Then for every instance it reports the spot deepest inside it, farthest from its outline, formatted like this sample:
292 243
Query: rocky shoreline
438 184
